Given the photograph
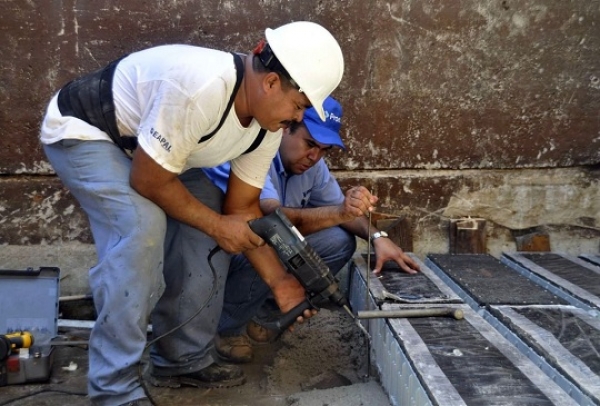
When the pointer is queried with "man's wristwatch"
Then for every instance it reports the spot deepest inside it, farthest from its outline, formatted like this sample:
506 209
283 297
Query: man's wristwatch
379 234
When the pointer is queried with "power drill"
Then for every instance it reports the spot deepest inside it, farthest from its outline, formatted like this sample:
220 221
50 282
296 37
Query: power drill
302 261
14 341
9 343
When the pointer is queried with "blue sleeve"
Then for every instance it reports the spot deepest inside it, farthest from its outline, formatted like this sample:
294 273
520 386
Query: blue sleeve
326 190
270 190
219 175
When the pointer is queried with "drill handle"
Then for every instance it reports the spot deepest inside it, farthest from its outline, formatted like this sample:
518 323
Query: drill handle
290 317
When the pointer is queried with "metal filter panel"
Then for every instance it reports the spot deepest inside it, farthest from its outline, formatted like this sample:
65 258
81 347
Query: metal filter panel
470 359
575 279
447 362
397 375
423 287
488 281
565 337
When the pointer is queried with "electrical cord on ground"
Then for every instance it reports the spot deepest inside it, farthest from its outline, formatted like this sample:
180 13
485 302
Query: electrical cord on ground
29 395
47 390
196 313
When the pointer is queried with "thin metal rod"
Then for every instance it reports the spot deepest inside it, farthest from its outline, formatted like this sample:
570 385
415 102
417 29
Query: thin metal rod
367 296
368 302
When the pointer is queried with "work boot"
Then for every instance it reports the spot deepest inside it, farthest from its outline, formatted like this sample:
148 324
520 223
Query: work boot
213 376
236 349
259 333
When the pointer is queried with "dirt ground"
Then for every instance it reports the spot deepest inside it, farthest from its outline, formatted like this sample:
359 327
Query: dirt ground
322 363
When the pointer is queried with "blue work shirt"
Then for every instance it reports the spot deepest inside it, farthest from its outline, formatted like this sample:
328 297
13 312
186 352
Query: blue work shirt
316 187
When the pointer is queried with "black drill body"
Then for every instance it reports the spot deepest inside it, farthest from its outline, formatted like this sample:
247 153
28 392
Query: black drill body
301 260
299 257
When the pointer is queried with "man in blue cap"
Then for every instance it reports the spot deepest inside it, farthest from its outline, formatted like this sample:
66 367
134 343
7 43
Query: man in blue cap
300 183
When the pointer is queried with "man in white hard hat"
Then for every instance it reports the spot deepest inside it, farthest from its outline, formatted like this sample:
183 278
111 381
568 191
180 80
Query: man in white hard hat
300 184
129 141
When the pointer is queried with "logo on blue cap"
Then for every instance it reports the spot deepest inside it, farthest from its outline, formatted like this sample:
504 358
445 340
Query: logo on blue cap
326 132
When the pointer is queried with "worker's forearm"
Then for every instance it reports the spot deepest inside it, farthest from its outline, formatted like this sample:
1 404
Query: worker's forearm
359 227
267 265
311 220
178 203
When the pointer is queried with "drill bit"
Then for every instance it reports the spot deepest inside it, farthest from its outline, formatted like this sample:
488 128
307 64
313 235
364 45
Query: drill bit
356 320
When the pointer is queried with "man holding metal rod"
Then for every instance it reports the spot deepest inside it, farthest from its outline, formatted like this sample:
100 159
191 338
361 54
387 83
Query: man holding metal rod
300 184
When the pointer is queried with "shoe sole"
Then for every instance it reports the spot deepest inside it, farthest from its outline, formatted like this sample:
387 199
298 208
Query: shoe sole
178 381
234 360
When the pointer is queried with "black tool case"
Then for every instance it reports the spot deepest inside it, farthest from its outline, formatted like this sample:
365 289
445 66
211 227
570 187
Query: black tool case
29 302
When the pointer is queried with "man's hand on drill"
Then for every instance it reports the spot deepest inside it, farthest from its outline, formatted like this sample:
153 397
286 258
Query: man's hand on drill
233 234
288 294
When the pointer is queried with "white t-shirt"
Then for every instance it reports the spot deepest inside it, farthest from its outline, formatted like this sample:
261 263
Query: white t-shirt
169 97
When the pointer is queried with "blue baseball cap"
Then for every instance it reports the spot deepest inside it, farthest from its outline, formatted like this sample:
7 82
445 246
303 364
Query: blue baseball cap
325 132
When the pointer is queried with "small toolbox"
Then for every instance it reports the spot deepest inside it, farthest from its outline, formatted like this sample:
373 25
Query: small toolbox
29 303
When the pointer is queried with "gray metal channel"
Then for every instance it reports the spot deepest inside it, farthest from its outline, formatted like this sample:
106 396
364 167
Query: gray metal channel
573 294
397 375
548 369
594 259
453 285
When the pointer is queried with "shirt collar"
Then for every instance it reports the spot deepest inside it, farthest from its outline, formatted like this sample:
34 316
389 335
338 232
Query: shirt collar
279 166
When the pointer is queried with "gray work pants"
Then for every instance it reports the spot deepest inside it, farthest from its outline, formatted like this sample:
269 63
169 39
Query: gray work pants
148 264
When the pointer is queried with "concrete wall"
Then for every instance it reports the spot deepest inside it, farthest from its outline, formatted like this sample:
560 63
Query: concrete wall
453 108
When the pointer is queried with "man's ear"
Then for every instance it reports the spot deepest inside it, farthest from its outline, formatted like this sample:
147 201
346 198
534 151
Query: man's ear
271 81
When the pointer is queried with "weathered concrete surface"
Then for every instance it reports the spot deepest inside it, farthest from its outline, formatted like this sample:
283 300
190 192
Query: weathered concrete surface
39 210
565 202
476 84
514 199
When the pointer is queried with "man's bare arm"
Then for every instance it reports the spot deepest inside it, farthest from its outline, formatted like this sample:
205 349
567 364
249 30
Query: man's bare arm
357 202
166 190
385 249
288 293
311 220
308 220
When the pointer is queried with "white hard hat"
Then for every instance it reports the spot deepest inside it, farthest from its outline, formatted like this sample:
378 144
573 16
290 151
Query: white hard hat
311 56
